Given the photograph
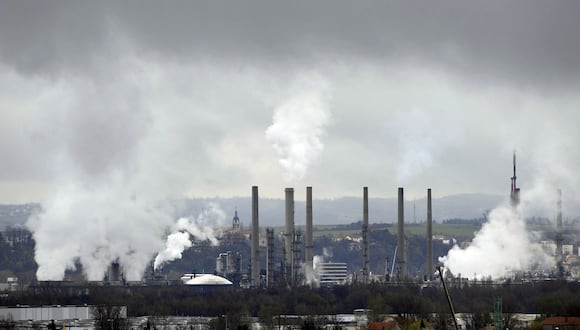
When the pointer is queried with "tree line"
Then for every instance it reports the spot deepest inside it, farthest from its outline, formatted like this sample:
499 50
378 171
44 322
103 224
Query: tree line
548 298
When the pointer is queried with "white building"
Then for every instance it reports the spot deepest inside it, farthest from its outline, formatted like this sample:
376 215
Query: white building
331 273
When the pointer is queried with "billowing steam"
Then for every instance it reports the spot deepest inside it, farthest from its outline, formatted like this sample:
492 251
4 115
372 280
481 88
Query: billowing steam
312 276
114 155
96 226
200 228
296 132
502 246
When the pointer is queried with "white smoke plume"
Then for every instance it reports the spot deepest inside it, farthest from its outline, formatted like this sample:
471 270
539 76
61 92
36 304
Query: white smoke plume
200 228
114 152
96 226
312 276
176 243
297 130
502 246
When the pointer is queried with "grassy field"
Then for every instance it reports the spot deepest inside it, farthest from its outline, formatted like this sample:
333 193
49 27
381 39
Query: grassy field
461 231
464 231
458 231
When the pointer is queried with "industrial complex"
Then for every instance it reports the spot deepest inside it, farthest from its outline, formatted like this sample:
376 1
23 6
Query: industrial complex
285 259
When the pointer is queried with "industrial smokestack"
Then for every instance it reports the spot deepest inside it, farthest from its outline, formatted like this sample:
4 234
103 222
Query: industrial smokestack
365 235
559 238
309 242
401 255
289 233
114 273
270 258
429 264
255 271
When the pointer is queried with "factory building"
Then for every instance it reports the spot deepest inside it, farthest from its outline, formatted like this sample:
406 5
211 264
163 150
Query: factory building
229 265
61 317
332 273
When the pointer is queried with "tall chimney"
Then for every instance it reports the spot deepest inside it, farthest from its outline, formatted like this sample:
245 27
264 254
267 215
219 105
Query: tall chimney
255 271
559 237
309 242
365 235
401 255
270 258
429 264
289 233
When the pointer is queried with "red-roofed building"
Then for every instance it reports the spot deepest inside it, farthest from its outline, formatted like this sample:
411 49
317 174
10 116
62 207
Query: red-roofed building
561 323
387 325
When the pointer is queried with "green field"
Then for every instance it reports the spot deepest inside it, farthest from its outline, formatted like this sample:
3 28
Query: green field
327 230
460 231
463 231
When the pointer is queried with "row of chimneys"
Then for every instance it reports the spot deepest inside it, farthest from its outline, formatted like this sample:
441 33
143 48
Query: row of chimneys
289 235
402 258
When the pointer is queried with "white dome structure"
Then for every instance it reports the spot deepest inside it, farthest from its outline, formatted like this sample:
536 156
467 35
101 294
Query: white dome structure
208 280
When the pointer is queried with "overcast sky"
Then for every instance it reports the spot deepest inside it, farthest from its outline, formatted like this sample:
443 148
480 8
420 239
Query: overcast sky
207 98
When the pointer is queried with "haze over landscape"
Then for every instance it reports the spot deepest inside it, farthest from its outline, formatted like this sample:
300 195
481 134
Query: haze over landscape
108 109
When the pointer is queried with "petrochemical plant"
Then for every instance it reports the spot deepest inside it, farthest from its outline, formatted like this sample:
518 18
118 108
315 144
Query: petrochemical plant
286 258
285 261
297 267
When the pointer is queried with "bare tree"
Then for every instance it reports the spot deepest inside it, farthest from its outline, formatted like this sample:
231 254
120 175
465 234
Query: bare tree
109 317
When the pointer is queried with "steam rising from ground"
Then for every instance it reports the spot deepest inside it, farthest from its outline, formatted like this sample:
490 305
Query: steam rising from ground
96 226
114 149
199 228
296 132
502 246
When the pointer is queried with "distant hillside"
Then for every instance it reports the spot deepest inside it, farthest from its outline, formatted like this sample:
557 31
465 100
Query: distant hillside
346 210
342 210
16 215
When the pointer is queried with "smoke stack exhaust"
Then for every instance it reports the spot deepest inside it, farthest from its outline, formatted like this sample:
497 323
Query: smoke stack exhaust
429 265
255 274
309 229
365 235
401 255
289 233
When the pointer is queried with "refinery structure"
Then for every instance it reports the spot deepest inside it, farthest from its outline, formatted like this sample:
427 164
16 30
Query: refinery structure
285 257
294 250
278 263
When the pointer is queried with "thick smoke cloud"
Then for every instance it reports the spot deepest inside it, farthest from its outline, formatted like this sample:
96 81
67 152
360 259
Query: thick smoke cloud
297 130
114 158
211 74
502 247
96 226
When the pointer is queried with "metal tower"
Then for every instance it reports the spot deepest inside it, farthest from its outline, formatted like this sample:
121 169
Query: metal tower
515 191
497 313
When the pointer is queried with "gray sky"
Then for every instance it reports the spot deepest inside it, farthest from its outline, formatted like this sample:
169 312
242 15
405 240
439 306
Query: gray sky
175 98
